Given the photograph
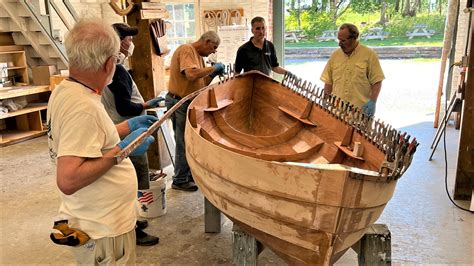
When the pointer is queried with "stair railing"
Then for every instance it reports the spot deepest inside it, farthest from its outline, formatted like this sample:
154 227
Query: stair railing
45 21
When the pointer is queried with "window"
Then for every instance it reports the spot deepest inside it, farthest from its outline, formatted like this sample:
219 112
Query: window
183 25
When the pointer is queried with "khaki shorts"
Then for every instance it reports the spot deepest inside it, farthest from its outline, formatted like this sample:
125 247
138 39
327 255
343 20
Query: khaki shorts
119 250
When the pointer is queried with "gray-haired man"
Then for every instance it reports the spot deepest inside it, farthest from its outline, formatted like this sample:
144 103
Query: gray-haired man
97 195
188 74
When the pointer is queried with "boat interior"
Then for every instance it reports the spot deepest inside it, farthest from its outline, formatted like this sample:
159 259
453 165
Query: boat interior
257 116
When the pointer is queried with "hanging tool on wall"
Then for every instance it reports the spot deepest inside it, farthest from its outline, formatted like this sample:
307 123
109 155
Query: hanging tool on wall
158 36
122 11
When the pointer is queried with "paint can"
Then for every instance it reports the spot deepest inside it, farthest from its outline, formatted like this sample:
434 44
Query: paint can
152 202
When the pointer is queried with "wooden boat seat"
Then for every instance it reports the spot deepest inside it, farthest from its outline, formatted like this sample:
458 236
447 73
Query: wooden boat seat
295 116
347 151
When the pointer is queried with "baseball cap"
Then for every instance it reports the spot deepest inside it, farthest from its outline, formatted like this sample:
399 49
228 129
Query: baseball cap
123 30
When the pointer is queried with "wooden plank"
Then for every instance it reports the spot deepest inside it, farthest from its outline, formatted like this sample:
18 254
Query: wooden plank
14 136
31 107
465 165
17 91
213 219
34 121
22 122
154 13
11 48
151 5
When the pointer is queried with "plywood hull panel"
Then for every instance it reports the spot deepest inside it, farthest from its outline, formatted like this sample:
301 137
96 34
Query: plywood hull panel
308 211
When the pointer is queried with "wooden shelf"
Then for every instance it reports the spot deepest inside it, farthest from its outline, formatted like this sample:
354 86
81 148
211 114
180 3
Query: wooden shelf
15 58
13 68
30 108
11 92
26 123
12 51
8 137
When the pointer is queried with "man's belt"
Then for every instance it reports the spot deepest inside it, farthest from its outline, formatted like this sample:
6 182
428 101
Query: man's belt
176 97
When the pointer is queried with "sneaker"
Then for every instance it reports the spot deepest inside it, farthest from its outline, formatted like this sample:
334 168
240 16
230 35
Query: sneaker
144 239
188 186
142 224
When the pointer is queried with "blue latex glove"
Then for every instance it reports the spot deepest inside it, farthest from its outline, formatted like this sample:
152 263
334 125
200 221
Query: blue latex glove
218 70
141 121
142 148
369 108
155 102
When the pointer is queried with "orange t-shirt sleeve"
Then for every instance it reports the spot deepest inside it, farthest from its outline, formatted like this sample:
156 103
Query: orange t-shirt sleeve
187 59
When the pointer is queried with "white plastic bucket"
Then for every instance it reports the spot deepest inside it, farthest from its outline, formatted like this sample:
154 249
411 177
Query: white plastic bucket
152 202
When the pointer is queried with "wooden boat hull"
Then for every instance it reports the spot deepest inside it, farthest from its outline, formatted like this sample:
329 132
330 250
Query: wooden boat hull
306 213
295 211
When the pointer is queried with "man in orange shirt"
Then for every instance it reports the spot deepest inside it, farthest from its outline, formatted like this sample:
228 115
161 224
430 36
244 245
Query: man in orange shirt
188 73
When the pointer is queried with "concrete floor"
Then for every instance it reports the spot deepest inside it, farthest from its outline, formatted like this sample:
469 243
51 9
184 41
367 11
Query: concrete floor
426 228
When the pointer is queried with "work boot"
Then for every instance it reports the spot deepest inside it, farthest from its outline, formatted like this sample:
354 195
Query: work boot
142 224
188 186
144 239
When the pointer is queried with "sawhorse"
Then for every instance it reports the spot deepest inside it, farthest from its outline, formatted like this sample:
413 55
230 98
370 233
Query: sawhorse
374 248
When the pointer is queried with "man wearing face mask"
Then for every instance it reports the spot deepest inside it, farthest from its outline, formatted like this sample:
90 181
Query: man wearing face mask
122 100
353 72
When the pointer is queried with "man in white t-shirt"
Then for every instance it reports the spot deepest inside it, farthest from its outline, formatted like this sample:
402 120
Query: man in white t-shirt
97 194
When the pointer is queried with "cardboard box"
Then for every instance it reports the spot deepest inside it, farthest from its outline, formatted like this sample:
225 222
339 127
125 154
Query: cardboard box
41 74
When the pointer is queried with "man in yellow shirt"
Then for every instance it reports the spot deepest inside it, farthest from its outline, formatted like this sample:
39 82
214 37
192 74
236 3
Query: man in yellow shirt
353 72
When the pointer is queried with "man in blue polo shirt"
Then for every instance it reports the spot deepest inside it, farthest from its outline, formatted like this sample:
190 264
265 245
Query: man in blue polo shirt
258 53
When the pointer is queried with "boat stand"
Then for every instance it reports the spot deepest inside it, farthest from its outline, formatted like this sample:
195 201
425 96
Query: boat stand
374 248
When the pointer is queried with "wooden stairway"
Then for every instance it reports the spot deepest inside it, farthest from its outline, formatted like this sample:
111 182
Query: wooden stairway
31 29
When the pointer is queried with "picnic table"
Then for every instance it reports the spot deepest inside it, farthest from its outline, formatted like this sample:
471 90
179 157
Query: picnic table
328 35
294 35
420 30
375 33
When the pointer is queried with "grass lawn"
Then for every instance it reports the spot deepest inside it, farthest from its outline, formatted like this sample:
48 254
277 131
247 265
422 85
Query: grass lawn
435 40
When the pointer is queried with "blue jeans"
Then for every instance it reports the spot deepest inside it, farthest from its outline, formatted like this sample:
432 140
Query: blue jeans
140 163
182 174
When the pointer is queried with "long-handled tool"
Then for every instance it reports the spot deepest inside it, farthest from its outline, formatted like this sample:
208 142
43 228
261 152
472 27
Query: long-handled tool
128 149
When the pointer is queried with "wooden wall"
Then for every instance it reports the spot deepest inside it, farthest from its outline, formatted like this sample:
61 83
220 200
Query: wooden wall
464 185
